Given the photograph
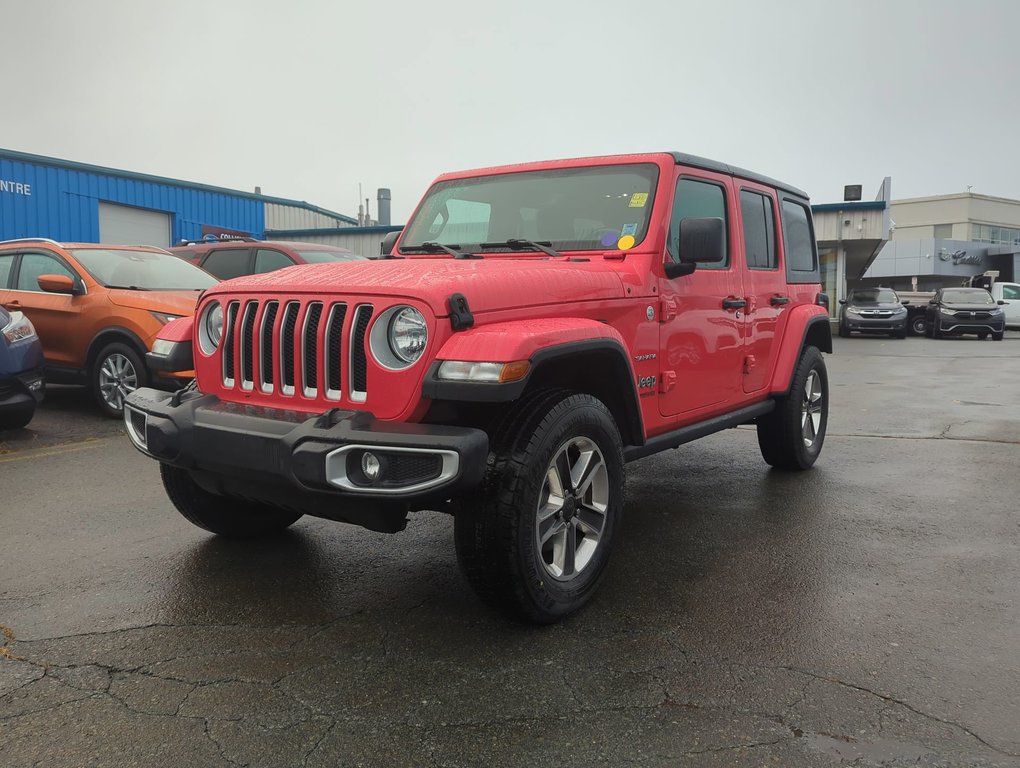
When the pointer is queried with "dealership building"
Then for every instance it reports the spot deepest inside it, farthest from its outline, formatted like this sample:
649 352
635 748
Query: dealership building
76 202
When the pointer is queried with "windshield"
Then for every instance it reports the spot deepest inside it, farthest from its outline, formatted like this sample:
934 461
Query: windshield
142 270
570 208
967 296
321 257
874 296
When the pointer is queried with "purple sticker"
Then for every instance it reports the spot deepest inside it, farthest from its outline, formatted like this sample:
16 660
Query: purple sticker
609 238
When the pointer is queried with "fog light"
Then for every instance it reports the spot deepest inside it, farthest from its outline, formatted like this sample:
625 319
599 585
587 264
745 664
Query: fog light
370 466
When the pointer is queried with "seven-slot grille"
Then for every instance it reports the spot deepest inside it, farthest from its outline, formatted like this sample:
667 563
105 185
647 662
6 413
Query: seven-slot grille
289 346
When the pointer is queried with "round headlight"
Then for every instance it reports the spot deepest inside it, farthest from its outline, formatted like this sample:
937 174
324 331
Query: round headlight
210 331
408 334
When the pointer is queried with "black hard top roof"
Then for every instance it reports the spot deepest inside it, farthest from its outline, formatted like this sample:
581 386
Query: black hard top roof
713 165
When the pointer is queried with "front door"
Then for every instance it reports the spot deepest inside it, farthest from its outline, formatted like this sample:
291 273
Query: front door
701 316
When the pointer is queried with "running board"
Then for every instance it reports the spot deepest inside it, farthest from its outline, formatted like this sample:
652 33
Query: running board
678 437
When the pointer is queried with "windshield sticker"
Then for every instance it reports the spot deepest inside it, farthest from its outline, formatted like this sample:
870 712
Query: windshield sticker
610 238
625 243
629 229
638 199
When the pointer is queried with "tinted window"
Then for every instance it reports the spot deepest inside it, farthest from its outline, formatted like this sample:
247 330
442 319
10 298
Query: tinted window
759 230
227 263
267 260
800 244
35 264
6 263
697 200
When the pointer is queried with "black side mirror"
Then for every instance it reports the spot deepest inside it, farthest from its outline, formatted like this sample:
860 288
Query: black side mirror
842 301
386 246
1002 303
905 302
702 241
933 301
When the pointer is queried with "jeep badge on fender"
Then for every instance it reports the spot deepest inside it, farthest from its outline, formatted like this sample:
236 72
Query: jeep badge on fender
495 364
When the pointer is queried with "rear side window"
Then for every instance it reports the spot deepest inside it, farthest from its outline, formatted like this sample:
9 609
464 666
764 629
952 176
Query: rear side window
227 263
267 260
759 230
799 241
6 263
1011 292
696 199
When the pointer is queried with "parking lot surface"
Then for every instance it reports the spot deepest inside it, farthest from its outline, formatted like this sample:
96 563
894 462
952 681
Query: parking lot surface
865 612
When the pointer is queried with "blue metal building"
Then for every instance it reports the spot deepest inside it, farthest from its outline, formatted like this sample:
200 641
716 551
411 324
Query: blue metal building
75 202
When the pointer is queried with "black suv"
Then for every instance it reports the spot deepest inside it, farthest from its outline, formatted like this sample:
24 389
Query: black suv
874 310
954 311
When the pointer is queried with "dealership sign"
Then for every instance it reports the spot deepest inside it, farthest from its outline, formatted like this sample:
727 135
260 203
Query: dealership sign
961 257
15 187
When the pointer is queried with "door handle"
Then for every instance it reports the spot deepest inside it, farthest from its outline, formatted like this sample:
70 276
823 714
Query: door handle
776 300
734 303
13 305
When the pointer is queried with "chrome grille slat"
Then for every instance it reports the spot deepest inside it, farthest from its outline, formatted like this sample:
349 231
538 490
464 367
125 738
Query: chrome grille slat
310 350
333 359
248 345
266 335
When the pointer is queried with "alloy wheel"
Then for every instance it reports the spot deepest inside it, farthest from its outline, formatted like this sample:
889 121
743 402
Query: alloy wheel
811 408
117 379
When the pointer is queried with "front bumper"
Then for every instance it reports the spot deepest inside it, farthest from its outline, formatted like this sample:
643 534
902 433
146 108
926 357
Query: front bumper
960 324
22 390
311 464
876 324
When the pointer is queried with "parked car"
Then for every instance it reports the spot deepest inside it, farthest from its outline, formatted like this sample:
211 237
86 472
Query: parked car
97 308
22 385
955 311
236 257
873 310
534 328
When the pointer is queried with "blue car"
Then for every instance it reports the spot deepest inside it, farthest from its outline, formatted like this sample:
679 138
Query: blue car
22 384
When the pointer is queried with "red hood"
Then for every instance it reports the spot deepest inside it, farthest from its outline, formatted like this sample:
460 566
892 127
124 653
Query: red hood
170 302
488 284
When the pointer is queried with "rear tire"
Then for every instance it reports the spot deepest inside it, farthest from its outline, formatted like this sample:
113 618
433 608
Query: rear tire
535 541
222 515
116 372
791 436
917 325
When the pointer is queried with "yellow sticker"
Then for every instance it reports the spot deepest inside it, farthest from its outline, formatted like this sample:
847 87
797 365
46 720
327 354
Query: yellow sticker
625 243
638 199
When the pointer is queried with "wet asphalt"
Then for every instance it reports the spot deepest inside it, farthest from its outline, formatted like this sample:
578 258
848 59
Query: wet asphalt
866 612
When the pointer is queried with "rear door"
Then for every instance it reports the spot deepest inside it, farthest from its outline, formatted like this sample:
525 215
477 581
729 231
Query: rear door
701 332
764 281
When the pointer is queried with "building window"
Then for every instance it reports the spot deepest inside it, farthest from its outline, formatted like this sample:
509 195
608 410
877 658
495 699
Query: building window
943 231
986 233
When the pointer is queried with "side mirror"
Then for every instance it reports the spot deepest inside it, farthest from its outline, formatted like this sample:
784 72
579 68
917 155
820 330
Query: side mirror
386 246
702 241
1002 303
57 284
933 301
842 301
905 302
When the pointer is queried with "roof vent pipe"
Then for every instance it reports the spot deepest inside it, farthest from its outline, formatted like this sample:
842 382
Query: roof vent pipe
383 206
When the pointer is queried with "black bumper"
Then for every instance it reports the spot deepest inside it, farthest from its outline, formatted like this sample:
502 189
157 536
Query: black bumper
958 325
21 391
876 325
308 464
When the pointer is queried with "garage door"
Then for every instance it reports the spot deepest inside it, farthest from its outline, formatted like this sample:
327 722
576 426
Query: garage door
123 225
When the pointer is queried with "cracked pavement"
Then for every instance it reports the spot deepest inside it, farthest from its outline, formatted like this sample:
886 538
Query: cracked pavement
865 613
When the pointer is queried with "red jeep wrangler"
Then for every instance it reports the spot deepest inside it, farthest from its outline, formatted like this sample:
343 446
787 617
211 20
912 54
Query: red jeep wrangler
532 329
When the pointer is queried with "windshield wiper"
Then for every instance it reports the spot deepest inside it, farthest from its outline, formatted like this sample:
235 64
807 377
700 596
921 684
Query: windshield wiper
128 287
433 247
517 244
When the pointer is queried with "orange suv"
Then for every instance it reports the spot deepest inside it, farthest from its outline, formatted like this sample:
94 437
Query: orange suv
97 309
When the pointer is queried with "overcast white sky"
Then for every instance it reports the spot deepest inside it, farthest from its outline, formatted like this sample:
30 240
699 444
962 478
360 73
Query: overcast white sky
309 98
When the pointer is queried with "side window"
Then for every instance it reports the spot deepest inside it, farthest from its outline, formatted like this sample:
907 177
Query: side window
799 239
226 263
697 199
1010 292
268 261
35 264
759 230
6 265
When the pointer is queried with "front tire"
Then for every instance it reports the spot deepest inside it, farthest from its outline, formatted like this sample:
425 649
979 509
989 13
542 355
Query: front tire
791 436
222 515
116 372
998 335
536 540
